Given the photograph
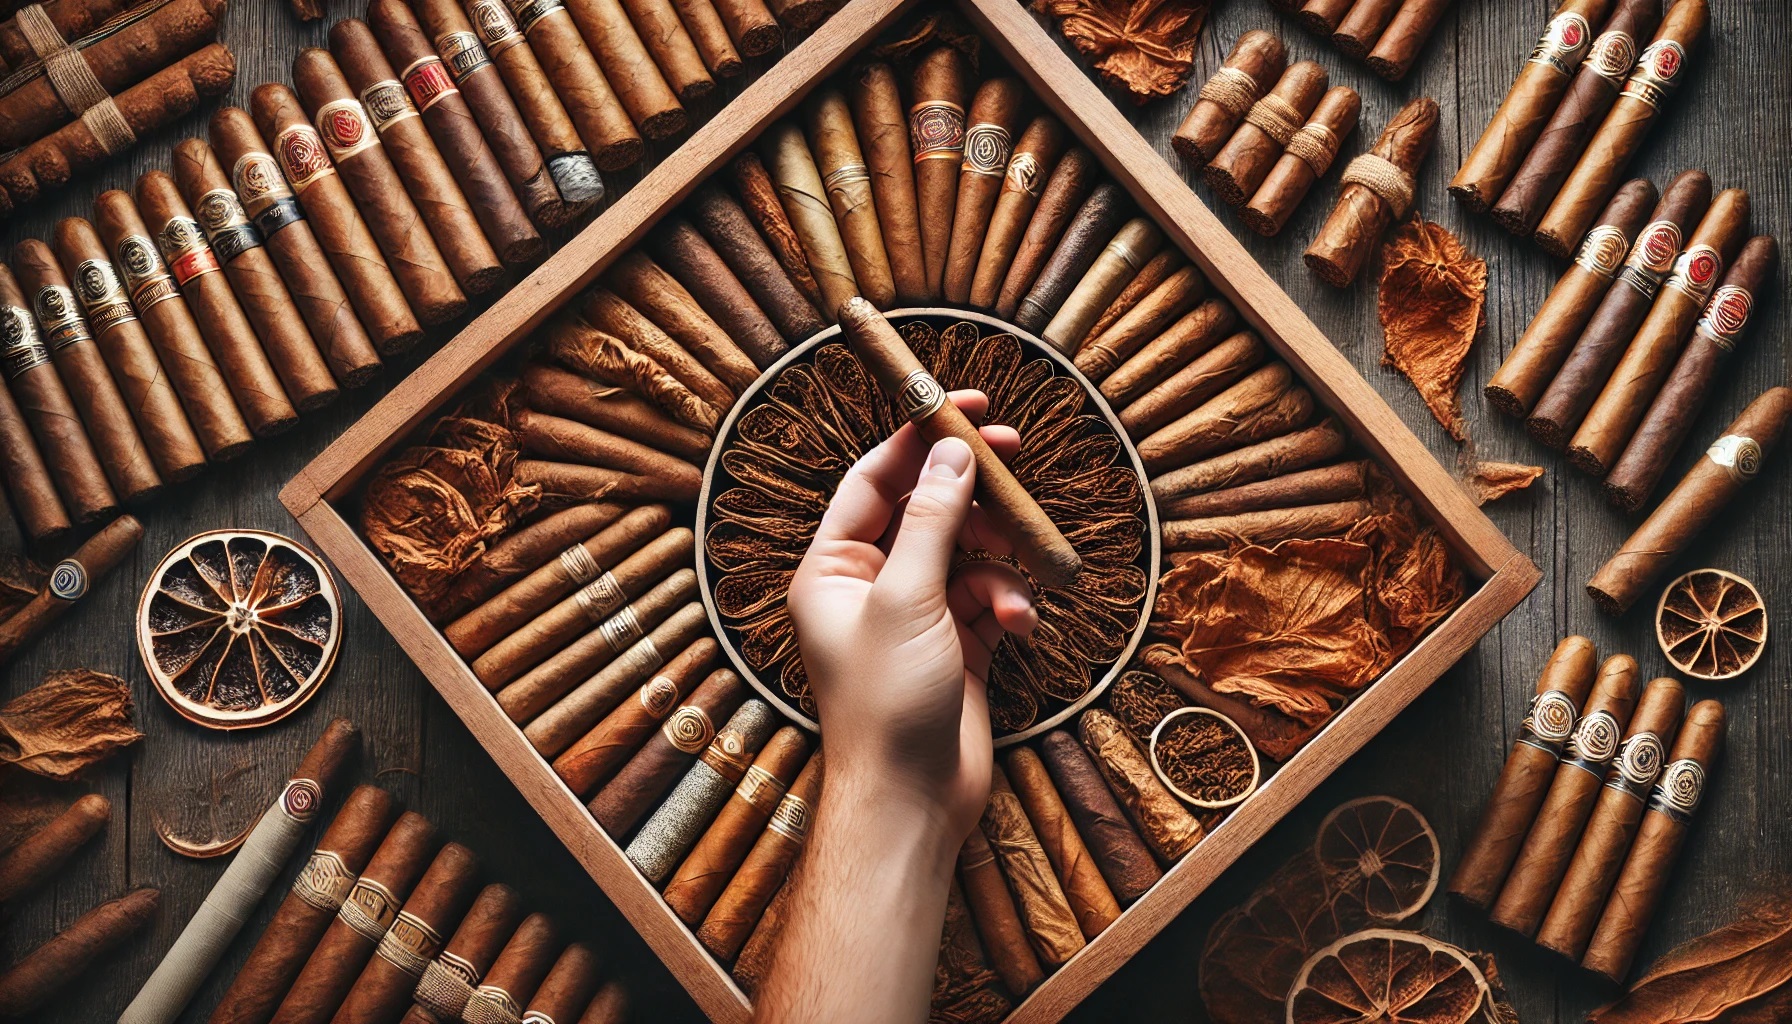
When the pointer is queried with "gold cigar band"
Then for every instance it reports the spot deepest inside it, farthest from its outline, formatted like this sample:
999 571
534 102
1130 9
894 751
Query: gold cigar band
760 789
369 909
409 944
446 986
689 729
791 819
658 696
324 881
920 396
727 755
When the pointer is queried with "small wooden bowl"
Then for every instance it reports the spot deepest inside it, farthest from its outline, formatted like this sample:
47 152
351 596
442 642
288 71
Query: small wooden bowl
1164 777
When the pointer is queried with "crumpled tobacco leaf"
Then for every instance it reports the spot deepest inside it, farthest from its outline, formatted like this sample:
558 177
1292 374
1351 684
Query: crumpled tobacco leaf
1432 303
965 990
1144 46
607 359
927 29
20 579
73 719
1739 967
1490 481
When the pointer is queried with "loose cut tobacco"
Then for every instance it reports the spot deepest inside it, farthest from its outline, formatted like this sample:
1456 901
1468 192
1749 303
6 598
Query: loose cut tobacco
1432 303
1205 758
1145 46
73 719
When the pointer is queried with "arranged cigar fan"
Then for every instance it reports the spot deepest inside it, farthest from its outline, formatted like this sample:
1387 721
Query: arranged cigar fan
654 444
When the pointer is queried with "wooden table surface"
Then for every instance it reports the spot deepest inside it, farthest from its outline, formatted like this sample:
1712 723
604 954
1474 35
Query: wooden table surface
1442 754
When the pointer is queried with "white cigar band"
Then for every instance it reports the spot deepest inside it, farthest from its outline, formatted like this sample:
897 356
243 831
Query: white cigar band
491 1005
579 564
1740 455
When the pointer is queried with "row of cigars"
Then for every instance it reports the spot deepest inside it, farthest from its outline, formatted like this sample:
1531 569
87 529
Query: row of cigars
1386 35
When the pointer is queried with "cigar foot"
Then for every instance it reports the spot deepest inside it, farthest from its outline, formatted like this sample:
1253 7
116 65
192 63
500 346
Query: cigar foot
1587 461
1259 222
1328 271
1623 498
619 155
1503 400
1225 186
1471 197
1557 246
1514 221
1548 433
1607 603
664 124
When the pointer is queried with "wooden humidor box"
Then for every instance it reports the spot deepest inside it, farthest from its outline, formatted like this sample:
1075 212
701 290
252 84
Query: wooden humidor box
322 495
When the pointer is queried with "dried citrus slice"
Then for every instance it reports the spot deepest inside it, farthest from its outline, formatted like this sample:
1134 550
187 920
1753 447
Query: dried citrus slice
1386 976
1711 624
238 628
1380 854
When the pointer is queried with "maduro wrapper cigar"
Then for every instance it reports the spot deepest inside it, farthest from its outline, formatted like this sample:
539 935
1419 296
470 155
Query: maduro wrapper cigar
1308 154
562 393
28 480
1562 688
687 732
448 980
1345 481
939 88
415 937
1362 25
46 405
759 196
1120 260
1085 890
1189 337
1252 463
1730 463
1165 825
1083 239
648 288
581 85
998 918
1265 527
1586 758
51 967
1659 71
1145 319
1545 344
847 181
1119 853
1059 202
683 251
1533 98
730 921
1404 37
1052 926
1244 161
639 85
42 853
1377 190
1672 804
799 186
883 132
575 713
591 761
712 862
1023 181
1038 545
726 225
517 972
1256 61
988 145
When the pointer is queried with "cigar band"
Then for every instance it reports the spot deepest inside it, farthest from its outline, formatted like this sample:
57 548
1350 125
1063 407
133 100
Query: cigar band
369 909
986 149
428 83
1232 89
103 295
1651 257
791 819
20 347
579 564
1726 316
1695 271
1681 788
226 224
300 799
462 53
621 630
689 729
324 881
538 1017
1738 454
144 273
68 580
262 189
1602 251
936 131
727 755
183 245
343 126
490 1004
529 12
1638 765
1564 43
59 318
657 696
1550 722
1657 72
409 944
496 28
600 597
1594 743
1613 56
844 175
302 156
446 985
1024 175
760 789
1124 253
920 396
386 103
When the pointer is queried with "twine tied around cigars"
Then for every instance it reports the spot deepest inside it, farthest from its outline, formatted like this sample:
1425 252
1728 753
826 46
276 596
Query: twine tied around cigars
1233 89
1315 145
1278 118
1382 177
74 82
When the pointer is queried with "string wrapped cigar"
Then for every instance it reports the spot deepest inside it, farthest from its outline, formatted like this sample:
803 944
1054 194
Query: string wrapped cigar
1193 334
641 88
158 100
1063 196
448 980
704 872
681 820
996 915
573 715
798 181
1266 526
32 380
1256 60
1120 854
51 967
847 181
1253 463
1404 37
1562 689
1244 161
591 761
1362 25
39 855
28 480
1265 404
1152 274
1530 102
1085 892
671 46
1022 185
759 197
604 311
1611 826
442 895
739 907
1682 397
1545 344
1645 363
1673 802
516 973
688 256
1377 190
645 286
457 135
883 132
1207 376
72 19
1322 17
638 785
1729 464
561 393
1038 545
1309 153
988 145
1615 320
1052 926
1586 757
1165 825
1144 320
261 858
936 136
1096 224
569 441
1660 68
568 988
726 225
581 86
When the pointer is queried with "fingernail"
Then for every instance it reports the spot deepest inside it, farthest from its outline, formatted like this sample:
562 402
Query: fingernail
950 458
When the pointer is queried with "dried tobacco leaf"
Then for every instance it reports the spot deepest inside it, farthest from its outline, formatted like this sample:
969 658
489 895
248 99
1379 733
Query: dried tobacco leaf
1432 303
73 719
965 990
926 29
606 359
1748 961
1144 46
1491 481
20 579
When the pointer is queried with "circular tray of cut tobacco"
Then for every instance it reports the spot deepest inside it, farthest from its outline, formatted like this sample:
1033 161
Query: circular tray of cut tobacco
791 437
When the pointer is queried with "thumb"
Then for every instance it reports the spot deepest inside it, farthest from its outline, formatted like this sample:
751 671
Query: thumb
921 557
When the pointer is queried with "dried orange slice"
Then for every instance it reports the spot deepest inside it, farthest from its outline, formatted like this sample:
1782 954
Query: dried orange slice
1379 854
1711 624
238 628
1386 976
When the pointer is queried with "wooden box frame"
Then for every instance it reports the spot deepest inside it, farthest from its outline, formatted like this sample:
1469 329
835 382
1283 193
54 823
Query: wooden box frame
1504 574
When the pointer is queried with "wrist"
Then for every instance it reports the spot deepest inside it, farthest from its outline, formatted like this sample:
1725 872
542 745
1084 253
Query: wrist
907 818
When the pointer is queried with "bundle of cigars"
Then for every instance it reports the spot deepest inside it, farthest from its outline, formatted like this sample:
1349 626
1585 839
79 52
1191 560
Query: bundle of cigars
1386 35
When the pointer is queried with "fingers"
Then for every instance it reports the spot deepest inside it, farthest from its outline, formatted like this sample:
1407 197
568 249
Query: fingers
921 556
997 587
866 502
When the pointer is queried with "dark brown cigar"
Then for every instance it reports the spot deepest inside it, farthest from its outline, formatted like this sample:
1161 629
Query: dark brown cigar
1086 891
40 854
1036 150
1614 322
609 314
1084 238
1052 926
1532 99
998 920
759 196
28 482
1672 804
689 257
936 135
1126 254
1545 344
671 47
340 230
1207 376
1730 463
639 84
51 967
289 239
591 761
988 145
250 269
1256 61
561 393
582 86
414 938
448 217
1155 272
1659 71
1682 396
522 552
710 34
574 714
567 989
1119 852
647 287
638 786
79 363
883 132
1166 826
712 862
1152 314
448 981
1404 37
1377 190
1362 25
1193 334
1252 463
730 921
1244 161
517 972
847 182
1059 203
1308 154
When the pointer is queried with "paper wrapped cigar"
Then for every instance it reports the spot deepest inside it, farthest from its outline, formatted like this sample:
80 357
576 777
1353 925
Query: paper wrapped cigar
997 917
672 48
1377 190
263 855
1124 256
434 908
939 90
1404 37
516 973
574 76
568 988
1253 463
1308 154
1092 228
1562 689
1362 25
1063 196
68 582
883 134
759 197
1165 825
559 393
1611 826
988 145
1265 527
724 844
40 854
1263 405
799 185
604 311
1147 319
591 761
673 310
1728 465
688 255
847 180
51 967
680 820
1255 63
28 480
1193 334
730 921
448 979
1155 272
1052 926
1244 161
687 732
1660 69
1086 892
1207 375
1035 151
557 727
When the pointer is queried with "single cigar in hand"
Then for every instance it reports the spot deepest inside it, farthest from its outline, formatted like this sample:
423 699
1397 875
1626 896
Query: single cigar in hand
1562 688
1676 797
1659 71
724 844
1362 25
581 85
998 919
640 86
883 134
1377 190
1532 99
591 761
1022 183
759 197
1729 464
448 980
1246 158
730 921
1038 544
1084 238
679 247
1131 248
988 144
1255 63
1307 156
51 967
638 785
1404 37
1069 185
1143 318
799 185
936 132
727 227
40 854
847 181
435 906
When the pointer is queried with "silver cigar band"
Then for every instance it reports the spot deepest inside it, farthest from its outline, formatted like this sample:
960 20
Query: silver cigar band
1738 454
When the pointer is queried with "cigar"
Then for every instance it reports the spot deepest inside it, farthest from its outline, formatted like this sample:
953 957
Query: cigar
1165 825
606 359
72 19
1244 161
1545 344
517 972
1615 320
1265 527
609 1006
1322 17
40 854
759 197
1562 688
1152 274
28 480
641 88
591 761
1206 376
458 136
1586 758
1346 481
521 552
447 984
940 89
1682 397
1124 256
251 873
1731 462
847 182
1147 319
803 15
1639 373
730 921
574 714
1659 70
998 918
703 20
751 25
671 307
1052 926
1256 60
604 311
988 146
1673 802
56 424
1404 37
1309 153
688 256
1376 190
1362 25
249 269
712 861
1094 226
800 189
1258 462
415 937
565 440
448 218
1086 892
1059 202
1193 334
560 393
1021 187
308 908
755 957
1038 544
1120 854
564 483
1263 405
883 132
1530 102
687 732
568 988
51 967
679 821
572 73
378 300
671 47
